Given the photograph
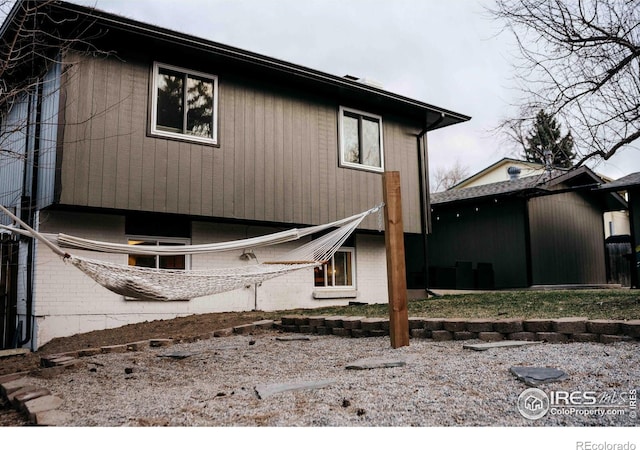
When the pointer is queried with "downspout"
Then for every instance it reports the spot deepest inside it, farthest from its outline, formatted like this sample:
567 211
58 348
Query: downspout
31 217
425 201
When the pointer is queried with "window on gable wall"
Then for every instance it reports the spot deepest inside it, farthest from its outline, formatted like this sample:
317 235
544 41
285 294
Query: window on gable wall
361 140
184 104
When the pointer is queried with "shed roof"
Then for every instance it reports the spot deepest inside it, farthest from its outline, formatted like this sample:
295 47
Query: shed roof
580 179
621 184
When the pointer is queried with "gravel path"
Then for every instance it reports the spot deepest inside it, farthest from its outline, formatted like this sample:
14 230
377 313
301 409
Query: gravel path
441 384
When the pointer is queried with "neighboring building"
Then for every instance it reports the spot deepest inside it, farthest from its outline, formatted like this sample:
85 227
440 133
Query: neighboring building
523 232
630 184
159 137
502 170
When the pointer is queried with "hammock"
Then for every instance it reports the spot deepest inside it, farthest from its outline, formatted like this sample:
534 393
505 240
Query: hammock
168 284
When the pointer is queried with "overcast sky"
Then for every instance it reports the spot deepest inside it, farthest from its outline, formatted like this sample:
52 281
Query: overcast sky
445 53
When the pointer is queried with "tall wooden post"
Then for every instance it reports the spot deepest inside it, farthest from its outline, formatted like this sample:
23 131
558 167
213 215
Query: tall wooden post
396 271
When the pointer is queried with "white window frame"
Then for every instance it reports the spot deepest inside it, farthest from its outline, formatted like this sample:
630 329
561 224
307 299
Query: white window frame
362 114
158 241
351 251
154 105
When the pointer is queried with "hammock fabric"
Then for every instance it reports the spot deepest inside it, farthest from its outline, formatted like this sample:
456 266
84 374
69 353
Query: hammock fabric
167 284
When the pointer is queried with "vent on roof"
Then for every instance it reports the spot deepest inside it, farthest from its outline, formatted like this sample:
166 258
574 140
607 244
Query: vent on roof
367 81
514 172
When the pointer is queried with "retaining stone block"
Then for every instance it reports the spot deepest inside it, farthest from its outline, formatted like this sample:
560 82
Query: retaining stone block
490 336
441 335
12 376
416 323
114 348
223 332
552 337
289 328
91 351
433 324
137 346
341 332
570 325
507 326
23 390
351 323
160 342
301 320
307 329
51 418
316 321
479 325
369 324
8 387
333 322
418 333
585 337
537 325
323 330
289 320
613 338
46 403
378 333
19 400
603 326
522 336
265 324
244 329
454 324
359 333
631 328
464 335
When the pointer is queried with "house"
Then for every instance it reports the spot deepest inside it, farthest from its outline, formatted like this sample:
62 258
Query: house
538 230
630 184
131 133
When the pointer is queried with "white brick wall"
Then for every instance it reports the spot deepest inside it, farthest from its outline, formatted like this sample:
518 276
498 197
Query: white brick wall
68 302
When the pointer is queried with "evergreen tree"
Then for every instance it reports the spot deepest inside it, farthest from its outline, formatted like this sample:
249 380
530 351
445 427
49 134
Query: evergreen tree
545 138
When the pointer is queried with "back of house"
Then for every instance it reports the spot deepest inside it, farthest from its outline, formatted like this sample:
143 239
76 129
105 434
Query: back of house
135 134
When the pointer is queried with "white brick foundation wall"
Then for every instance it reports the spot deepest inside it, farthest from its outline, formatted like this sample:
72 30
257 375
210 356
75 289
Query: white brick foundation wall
68 302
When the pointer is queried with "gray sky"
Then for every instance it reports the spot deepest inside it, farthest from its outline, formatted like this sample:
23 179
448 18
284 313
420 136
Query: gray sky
448 54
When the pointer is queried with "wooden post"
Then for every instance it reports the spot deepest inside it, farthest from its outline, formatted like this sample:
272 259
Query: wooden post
396 271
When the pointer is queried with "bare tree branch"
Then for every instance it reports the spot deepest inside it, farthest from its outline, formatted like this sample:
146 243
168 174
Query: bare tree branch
580 61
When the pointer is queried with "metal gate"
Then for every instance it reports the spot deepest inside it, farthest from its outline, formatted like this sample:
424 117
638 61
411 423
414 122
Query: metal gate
8 291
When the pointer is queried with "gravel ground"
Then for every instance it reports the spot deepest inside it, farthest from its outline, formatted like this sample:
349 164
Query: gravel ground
441 384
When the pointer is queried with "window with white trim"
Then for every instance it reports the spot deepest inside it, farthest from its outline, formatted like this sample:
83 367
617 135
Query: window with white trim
178 262
361 140
184 104
339 272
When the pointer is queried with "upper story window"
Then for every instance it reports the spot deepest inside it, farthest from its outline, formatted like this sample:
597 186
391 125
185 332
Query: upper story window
184 104
361 140
177 262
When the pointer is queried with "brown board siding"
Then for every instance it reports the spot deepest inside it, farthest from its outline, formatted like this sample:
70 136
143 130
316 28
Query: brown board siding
567 240
277 158
492 232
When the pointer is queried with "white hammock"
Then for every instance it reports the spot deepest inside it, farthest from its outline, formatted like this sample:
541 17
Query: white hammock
167 284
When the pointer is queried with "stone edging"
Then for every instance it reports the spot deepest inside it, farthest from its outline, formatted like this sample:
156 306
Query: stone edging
566 329
41 406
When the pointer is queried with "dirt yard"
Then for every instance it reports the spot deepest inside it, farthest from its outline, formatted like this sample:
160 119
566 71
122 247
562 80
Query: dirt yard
180 328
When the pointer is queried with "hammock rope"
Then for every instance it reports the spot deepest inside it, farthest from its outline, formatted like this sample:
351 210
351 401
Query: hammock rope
171 284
